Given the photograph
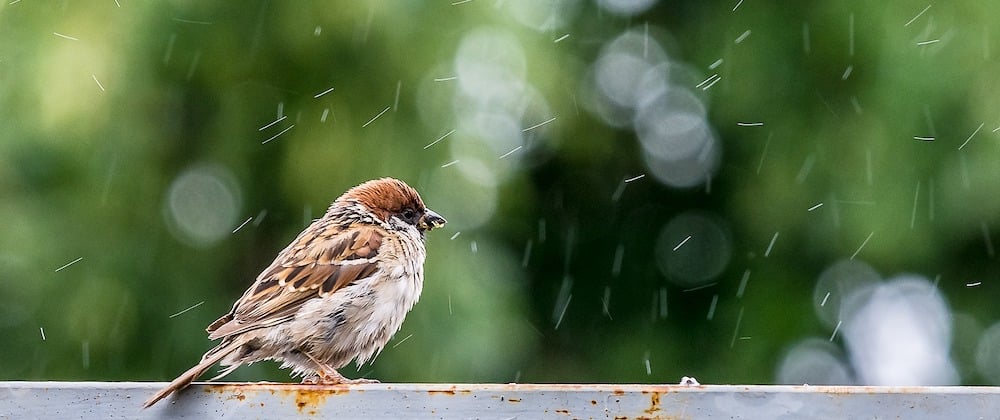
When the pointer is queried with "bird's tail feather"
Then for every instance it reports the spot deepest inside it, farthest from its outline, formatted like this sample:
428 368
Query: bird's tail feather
190 375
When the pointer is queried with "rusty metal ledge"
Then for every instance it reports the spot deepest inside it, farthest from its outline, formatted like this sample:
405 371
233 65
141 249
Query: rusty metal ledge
27 400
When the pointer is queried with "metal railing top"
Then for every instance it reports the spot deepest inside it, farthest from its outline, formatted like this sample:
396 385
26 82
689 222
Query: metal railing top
418 401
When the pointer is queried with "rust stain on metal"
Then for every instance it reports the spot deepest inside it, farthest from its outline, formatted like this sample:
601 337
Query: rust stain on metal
235 391
452 391
562 411
307 398
514 400
654 403
441 392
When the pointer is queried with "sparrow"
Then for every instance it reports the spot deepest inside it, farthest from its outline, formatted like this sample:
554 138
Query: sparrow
337 293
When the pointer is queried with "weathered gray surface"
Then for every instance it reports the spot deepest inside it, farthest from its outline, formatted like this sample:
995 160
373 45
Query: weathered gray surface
44 400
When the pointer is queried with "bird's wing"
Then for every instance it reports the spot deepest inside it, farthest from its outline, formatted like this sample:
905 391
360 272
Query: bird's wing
318 263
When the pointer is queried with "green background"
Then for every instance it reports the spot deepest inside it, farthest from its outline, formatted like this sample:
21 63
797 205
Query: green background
105 105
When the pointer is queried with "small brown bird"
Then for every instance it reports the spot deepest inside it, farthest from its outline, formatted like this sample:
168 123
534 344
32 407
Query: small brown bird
337 293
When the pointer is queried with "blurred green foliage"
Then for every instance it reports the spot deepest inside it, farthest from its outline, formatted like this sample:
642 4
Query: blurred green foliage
105 104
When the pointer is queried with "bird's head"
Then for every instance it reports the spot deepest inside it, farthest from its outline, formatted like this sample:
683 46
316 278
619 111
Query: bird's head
389 199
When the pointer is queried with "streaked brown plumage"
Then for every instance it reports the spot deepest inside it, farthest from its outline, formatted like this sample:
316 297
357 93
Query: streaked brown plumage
337 293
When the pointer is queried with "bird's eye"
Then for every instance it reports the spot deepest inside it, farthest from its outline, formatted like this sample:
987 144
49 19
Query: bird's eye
408 214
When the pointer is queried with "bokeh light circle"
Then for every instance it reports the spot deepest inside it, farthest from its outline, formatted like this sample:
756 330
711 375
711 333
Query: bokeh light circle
499 131
688 172
542 15
899 333
631 86
490 63
814 361
202 204
617 75
626 8
673 126
693 249
988 354
624 76
838 281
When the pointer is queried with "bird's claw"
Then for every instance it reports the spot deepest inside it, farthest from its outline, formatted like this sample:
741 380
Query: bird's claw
336 378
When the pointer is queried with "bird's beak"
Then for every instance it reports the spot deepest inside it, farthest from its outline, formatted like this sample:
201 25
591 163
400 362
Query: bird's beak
430 220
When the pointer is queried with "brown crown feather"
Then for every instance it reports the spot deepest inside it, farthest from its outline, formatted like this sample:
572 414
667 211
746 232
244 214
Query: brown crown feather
384 196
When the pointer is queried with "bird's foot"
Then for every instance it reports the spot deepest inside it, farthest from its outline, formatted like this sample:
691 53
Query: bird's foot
334 378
